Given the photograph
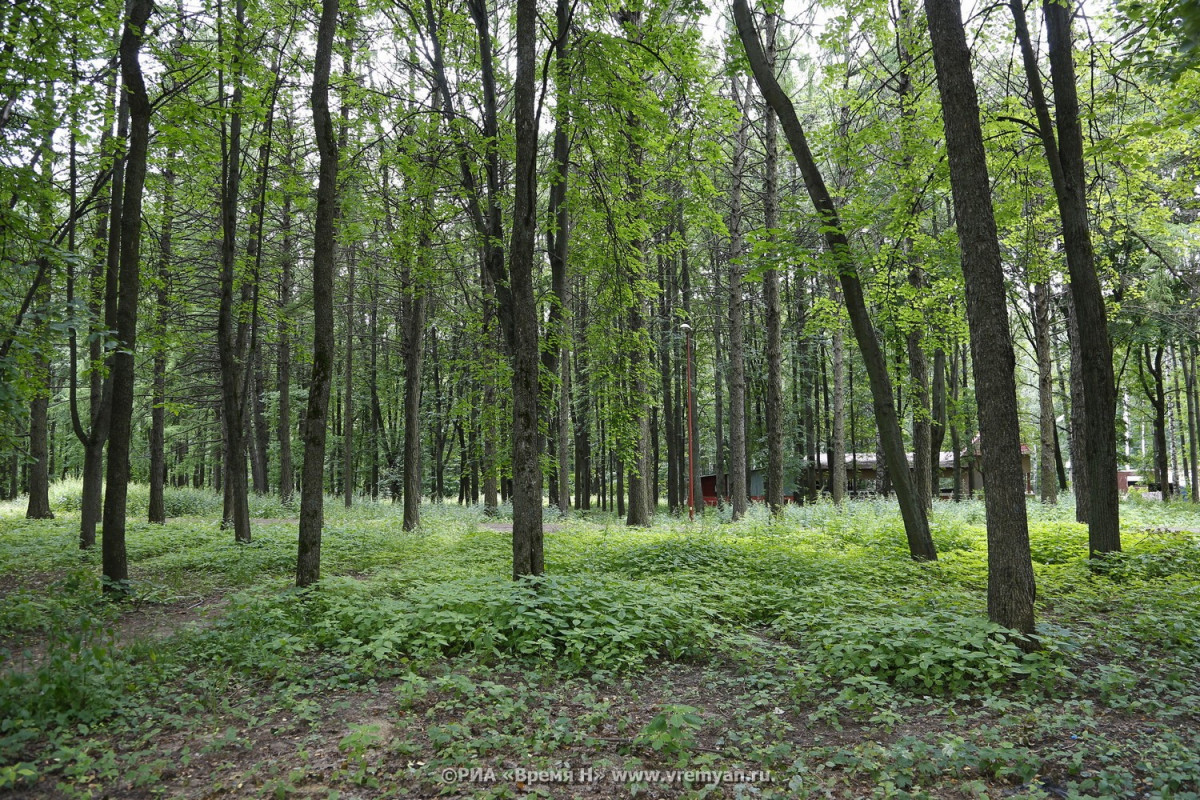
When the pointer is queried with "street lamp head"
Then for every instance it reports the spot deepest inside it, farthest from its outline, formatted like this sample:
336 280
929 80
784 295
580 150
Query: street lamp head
685 328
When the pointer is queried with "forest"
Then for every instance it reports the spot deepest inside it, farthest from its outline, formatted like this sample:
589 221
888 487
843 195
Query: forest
596 398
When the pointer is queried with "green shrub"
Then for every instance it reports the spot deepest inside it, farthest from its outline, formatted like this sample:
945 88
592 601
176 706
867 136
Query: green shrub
572 622
932 654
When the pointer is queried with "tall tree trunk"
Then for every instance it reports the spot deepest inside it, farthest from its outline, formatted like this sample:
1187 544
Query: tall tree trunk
523 329
38 506
348 388
955 440
916 524
937 428
771 297
1065 157
1157 395
101 306
558 229
1189 389
1047 479
230 333
1010 567
1172 423
582 403
690 415
415 303
837 430
1080 467
158 466
665 337
920 402
738 467
312 497
114 565
924 459
283 365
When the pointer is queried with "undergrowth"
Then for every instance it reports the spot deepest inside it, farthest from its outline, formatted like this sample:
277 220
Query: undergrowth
819 619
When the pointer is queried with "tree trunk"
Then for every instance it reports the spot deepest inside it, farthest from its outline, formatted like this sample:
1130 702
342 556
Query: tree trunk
158 466
737 337
955 440
558 230
38 506
283 366
348 384
775 434
101 307
1080 468
230 332
922 435
837 430
312 497
690 415
415 304
666 336
916 524
1066 161
1047 480
1189 389
1157 395
523 329
582 402
937 428
114 566
1010 567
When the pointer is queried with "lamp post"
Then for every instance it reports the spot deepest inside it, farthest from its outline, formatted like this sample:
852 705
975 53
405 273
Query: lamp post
687 332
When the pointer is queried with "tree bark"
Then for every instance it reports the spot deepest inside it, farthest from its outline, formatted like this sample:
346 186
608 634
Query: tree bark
1157 395
737 337
1066 161
158 466
937 428
312 497
1080 468
837 428
103 303
922 461
283 431
231 334
775 435
415 304
1047 480
38 506
1188 358
582 402
1010 567
558 230
114 565
523 328
916 524
348 385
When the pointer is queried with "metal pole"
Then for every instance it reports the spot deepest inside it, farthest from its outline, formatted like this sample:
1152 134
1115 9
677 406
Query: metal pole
687 329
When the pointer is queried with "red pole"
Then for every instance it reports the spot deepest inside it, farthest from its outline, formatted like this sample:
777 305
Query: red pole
691 425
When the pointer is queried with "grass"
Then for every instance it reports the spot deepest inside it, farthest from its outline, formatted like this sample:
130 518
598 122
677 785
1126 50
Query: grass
808 650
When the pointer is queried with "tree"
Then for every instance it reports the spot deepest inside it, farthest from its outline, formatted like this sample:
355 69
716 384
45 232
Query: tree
312 486
115 568
1062 141
522 330
916 524
1010 566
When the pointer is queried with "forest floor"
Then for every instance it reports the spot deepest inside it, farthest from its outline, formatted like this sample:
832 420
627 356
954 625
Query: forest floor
803 657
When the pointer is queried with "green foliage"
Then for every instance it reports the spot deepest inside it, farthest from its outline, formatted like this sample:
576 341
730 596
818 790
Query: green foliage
783 630
935 654
672 732
575 623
